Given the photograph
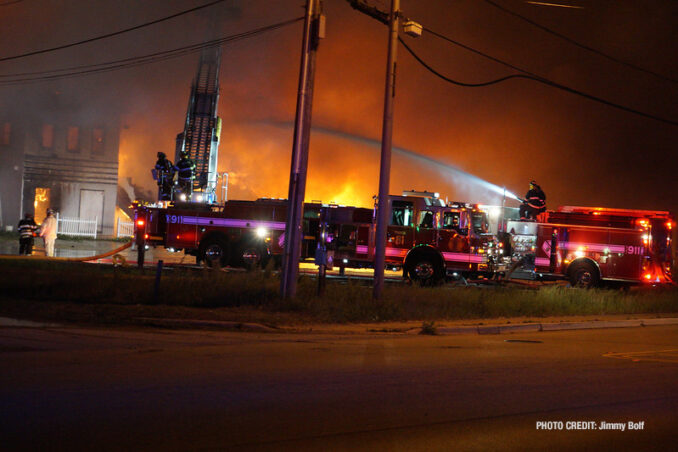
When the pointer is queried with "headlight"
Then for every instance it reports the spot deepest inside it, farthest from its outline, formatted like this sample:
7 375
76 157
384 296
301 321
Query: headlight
261 232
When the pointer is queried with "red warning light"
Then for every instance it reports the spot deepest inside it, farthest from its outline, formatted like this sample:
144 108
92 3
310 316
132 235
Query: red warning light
140 222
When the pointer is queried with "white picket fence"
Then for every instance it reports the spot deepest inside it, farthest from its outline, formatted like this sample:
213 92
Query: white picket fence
125 229
77 226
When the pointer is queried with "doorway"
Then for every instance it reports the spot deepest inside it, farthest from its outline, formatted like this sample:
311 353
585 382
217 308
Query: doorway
41 203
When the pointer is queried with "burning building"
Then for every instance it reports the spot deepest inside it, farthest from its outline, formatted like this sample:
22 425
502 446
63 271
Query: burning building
64 157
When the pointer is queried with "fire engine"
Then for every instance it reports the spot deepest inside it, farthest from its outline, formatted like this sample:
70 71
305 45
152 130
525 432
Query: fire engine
427 237
236 233
591 245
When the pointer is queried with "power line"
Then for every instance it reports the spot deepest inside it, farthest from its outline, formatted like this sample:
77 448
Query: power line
456 82
478 52
10 2
115 33
126 63
578 44
534 77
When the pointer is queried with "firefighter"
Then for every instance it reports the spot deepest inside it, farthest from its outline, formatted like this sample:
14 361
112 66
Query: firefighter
534 202
48 231
27 228
186 173
164 174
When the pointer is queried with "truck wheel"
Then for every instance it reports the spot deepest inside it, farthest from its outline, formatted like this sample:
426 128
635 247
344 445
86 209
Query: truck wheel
251 257
584 275
215 252
426 272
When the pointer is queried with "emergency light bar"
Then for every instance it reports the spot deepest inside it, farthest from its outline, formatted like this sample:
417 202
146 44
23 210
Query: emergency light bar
421 194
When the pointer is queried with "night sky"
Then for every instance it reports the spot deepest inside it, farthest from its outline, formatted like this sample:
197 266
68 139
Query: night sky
580 151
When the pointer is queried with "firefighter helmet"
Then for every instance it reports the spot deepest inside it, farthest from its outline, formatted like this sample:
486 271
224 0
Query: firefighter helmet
161 155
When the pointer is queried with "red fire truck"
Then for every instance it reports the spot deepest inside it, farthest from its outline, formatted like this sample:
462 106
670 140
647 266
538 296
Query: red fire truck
590 245
237 233
426 237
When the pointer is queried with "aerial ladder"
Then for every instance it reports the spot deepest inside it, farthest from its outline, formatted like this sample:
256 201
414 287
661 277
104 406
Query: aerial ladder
202 128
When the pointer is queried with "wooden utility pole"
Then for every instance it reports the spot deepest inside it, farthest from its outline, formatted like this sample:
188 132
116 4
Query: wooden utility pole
386 143
313 29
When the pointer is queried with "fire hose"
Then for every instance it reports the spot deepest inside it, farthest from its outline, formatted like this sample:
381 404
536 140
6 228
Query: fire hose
119 259
98 256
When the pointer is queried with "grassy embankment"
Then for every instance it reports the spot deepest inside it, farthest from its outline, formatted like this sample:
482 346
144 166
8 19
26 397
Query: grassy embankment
39 282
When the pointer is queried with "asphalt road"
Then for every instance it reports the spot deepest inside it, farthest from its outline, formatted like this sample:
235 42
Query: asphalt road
106 389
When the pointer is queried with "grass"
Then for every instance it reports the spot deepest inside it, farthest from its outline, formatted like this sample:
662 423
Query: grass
99 286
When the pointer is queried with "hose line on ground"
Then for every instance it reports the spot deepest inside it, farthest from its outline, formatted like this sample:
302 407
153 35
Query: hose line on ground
79 259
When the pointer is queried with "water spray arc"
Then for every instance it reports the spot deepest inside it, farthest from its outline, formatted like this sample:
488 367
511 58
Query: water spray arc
413 155
423 159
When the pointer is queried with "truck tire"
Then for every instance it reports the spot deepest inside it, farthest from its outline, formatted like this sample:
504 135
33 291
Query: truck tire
584 275
251 257
425 270
215 252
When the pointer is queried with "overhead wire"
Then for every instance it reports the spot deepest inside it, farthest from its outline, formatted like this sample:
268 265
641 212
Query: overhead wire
529 76
579 44
125 63
456 82
478 52
109 35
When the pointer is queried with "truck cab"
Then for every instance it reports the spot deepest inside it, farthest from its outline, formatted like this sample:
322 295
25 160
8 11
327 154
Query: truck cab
430 238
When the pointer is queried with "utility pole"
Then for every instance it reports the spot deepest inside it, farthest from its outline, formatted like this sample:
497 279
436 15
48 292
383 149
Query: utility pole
313 31
386 142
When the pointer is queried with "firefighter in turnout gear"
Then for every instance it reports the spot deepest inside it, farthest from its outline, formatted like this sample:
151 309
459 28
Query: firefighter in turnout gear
164 175
27 228
185 169
534 202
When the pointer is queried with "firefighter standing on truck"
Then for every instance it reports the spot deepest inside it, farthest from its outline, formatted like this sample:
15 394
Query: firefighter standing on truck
534 202
186 173
164 174
27 228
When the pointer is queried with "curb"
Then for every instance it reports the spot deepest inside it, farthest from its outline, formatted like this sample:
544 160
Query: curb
18 323
238 326
540 327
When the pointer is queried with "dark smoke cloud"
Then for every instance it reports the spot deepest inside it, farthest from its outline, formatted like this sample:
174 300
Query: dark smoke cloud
581 152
